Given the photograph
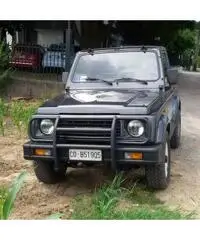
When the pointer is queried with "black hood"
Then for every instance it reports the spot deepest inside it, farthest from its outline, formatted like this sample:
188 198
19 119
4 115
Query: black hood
122 97
97 98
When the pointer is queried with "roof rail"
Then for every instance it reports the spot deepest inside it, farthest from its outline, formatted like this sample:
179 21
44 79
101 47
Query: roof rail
123 46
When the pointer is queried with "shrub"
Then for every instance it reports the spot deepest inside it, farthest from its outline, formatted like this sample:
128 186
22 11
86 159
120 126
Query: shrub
5 70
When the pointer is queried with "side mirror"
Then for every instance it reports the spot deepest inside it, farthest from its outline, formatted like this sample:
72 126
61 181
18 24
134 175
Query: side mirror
64 77
172 75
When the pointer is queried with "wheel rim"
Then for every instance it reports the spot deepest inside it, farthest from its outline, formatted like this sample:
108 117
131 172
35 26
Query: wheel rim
166 160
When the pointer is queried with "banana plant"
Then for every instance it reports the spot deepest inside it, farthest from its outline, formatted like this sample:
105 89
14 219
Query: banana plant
8 198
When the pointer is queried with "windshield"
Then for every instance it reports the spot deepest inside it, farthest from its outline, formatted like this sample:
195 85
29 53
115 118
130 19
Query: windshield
112 66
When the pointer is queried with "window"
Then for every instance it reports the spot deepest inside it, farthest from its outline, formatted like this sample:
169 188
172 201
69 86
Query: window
111 66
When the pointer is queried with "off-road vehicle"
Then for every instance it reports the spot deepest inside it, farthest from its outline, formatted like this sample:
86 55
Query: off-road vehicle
120 108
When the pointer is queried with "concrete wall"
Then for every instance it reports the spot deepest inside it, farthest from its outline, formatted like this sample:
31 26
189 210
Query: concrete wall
34 88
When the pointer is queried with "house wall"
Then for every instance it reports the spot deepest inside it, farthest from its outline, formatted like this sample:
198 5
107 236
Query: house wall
20 36
46 37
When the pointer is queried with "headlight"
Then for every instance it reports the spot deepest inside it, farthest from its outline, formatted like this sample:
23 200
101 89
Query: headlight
135 128
47 126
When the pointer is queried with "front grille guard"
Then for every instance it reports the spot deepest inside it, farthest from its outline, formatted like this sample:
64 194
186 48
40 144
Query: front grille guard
112 146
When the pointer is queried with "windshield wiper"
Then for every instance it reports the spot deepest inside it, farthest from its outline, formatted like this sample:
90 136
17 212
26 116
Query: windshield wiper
99 79
127 79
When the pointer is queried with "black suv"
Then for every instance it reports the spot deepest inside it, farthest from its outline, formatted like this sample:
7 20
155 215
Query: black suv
120 108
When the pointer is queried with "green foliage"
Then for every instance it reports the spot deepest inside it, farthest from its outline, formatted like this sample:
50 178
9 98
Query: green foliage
3 113
148 213
106 198
181 47
4 56
114 201
198 61
5 71
184 39
7 198
3 195
19 112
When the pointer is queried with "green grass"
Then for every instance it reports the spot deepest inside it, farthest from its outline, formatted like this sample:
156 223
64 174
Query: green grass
8 197
116 201
18 112
21 112
3 113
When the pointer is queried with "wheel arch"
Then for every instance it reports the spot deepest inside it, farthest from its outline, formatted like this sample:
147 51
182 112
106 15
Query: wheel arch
161 129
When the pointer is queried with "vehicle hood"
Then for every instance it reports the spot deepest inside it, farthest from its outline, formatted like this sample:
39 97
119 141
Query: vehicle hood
103 101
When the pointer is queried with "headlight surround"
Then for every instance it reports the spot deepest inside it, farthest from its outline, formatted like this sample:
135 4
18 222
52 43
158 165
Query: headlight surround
47 126
135 128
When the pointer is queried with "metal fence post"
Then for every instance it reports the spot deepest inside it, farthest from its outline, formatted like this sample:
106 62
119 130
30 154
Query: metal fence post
68 47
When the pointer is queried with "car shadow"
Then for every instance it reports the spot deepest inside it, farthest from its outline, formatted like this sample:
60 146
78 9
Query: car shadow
87 180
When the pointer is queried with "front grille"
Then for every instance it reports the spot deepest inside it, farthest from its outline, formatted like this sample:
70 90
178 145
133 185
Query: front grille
103 123
86 131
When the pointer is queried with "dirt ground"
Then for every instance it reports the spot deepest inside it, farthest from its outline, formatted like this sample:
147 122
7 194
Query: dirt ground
36 200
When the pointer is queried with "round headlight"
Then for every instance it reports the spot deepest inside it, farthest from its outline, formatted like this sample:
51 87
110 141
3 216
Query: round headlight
47 126
135 128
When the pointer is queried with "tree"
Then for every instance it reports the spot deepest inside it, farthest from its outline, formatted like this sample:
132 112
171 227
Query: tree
181 47
4 65
197 47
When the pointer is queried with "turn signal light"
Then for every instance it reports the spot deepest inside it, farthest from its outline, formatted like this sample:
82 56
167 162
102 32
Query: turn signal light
134 155
42 152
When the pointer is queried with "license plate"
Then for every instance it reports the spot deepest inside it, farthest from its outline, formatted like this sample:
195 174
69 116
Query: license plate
85 155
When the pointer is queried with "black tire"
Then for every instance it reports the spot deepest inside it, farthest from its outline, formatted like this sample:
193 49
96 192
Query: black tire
176 137
158 175
45 172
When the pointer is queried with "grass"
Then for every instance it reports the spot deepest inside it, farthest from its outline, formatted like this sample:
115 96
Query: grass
112 201
7 197
3 112
18 113
115 201
21 112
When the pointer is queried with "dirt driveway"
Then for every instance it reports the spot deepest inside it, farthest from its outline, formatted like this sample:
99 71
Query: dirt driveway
184 189
37 200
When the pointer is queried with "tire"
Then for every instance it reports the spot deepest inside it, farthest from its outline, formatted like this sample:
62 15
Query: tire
176 137
45 172
158 175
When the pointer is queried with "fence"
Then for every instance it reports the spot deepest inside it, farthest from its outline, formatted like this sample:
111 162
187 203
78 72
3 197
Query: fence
37 62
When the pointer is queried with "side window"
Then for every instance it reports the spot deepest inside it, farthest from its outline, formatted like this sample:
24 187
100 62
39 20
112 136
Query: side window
165 67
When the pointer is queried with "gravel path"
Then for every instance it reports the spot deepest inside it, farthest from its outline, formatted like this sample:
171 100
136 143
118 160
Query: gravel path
184 189
37 200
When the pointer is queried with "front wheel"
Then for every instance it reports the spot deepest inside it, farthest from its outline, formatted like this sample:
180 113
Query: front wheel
45 172
158 176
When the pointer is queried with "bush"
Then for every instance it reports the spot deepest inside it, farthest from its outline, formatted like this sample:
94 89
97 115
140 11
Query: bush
5 70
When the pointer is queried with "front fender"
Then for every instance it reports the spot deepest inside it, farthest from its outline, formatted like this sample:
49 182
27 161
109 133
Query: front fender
161 129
